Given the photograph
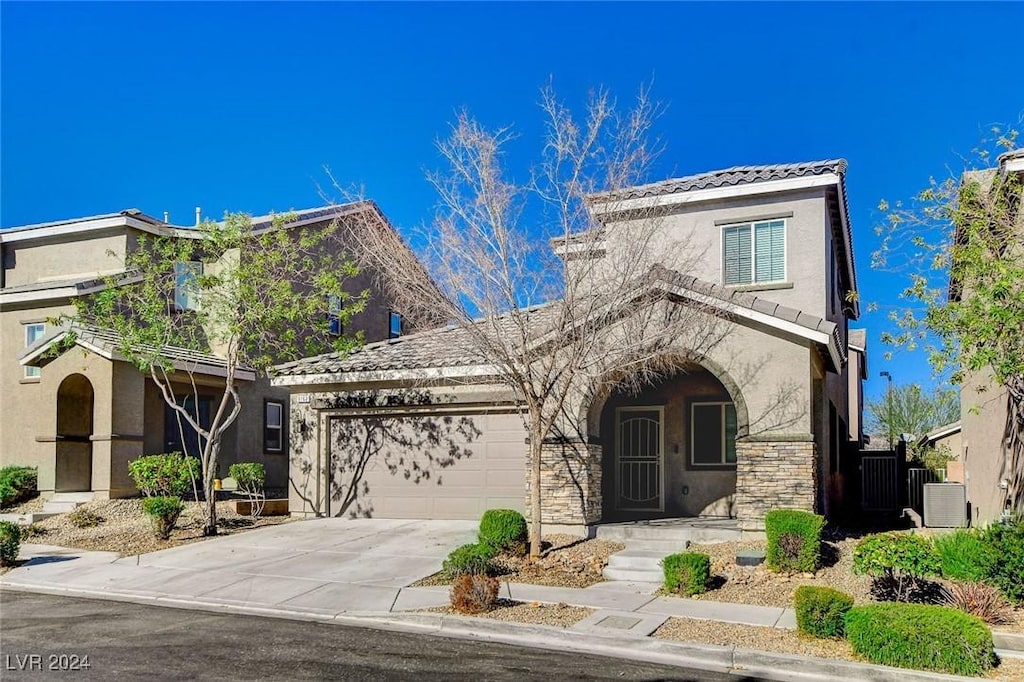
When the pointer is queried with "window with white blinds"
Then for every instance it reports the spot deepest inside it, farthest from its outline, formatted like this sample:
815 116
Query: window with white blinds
754 252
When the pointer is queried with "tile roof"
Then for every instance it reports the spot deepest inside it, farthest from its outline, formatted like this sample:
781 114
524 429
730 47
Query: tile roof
729 177
452 346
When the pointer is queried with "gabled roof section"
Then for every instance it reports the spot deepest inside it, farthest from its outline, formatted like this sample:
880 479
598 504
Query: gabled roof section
105 342
448 352
728 177
52 290
131 217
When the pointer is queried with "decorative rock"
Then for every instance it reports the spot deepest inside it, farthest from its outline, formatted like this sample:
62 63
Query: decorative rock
750 557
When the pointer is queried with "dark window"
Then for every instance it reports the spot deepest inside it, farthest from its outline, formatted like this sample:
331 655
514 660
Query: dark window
334 324
394 325
713 433
179 436
273 426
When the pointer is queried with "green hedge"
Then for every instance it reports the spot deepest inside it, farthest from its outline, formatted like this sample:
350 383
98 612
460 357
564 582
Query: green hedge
687 572
163 512
794 540
1006 570
821 611
504 529
10 542
922 637
167 475
474 559
965 555
16 484
250 476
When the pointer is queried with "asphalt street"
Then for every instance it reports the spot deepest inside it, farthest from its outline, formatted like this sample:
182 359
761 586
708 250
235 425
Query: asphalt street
49 637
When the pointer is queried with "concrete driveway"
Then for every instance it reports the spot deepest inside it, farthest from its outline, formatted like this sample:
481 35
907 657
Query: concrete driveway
326 566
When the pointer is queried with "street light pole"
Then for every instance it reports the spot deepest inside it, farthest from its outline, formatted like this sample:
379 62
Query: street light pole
888 405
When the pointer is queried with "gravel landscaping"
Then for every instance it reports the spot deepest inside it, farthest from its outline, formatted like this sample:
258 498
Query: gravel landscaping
532 613
34 504
567 561
125 529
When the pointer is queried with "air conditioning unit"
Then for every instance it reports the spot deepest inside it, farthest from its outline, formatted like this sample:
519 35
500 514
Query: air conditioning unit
945 505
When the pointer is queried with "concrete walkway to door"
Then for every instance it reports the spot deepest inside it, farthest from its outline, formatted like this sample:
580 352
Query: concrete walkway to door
320 566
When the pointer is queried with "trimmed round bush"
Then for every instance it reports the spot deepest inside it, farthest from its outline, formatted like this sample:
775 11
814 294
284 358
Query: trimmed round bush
10 543
687 573
1007 567
474 559
163 512
794 540
965 555
897 561
821 611
504 529
921 636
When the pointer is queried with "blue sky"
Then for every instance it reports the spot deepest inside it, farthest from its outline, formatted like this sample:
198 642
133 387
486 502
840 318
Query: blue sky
169 106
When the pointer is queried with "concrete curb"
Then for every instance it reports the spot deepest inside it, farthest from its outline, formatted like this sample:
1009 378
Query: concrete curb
699 657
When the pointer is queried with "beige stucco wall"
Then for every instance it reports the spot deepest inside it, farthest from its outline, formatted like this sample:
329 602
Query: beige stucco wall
983 420
68 257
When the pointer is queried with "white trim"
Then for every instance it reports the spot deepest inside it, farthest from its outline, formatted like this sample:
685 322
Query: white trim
660 409
753 252
1014 165
693 196
724 462
38 295
18 234
370 376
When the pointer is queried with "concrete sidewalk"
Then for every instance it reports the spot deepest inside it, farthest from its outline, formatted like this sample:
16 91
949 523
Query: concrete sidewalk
356 573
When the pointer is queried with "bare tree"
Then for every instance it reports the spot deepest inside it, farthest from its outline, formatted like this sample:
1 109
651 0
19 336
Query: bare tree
548 291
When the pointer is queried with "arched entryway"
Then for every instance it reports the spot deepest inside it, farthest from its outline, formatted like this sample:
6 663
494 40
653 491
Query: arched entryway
74 431
670 450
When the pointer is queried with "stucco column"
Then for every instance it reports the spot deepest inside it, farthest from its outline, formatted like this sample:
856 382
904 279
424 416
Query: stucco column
774 475
570 483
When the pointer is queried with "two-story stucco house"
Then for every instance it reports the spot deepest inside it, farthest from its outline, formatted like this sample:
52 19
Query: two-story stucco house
416 428
82 416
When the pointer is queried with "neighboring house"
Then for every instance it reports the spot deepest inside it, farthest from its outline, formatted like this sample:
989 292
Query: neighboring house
418 427
983 453
946 439
82 415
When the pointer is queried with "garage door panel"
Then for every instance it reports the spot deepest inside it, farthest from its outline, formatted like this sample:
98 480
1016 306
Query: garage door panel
429 467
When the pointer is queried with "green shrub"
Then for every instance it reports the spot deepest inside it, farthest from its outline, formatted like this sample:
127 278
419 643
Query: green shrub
820 611
17 483
504 529
163 512
168 475
687 573
794 540
83 518
965 555
1006 568
250 476
897 561
10 543
921 636
474 559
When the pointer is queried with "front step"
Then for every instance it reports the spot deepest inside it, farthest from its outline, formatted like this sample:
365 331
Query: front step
62 503
633 575
630 533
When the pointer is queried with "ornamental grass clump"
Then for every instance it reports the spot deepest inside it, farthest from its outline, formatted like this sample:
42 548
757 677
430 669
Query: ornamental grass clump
687 573
921 636
794 540
821 611
965 555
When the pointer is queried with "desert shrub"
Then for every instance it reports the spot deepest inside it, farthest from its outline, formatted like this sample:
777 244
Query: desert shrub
504 529
820 611
163 511
687 573
794 540
978 599
474 559
32 530
250 477
168 475
17 483
921 636
474 593
83 518
1005 571
10 543
965 555
898 562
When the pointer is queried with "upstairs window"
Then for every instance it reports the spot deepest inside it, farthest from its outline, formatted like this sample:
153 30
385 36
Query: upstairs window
334 324
186 290
394 325
713 434
754 253
33 332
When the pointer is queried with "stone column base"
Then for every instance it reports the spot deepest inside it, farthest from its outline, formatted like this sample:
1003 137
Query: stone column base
774 475
570 482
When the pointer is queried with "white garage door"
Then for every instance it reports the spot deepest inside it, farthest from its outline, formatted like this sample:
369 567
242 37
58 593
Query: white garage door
427 467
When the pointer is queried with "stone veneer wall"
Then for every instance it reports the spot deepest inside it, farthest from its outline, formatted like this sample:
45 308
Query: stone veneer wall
570 482
774 475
